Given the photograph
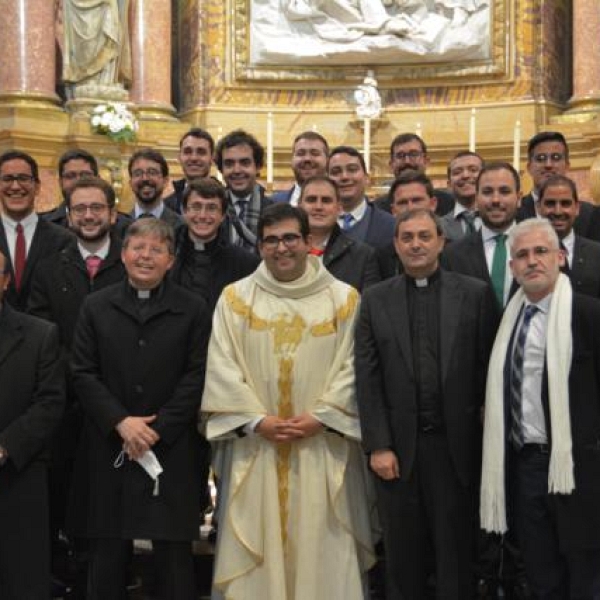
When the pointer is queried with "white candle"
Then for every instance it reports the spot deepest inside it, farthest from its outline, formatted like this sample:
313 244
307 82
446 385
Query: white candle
517 146
418 130
472 130
367 144
219 136
270 148
314 127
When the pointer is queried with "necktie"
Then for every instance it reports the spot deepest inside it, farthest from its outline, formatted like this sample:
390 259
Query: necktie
499 268
20 255
92 264
347 220
469 219
146 215
316 251
516 379
241 209
566 269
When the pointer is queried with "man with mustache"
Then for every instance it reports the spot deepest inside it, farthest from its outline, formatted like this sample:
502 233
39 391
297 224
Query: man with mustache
541 453
463 171
149 173
239 157
483 254
309 159
560 205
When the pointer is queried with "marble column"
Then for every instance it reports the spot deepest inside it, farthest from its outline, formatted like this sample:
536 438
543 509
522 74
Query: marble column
151 54
586 57
28 60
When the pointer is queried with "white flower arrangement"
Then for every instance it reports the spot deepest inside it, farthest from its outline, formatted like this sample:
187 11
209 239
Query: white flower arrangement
114 120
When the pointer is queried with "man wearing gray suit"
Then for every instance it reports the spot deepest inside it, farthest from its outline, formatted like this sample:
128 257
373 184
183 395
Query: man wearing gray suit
463 171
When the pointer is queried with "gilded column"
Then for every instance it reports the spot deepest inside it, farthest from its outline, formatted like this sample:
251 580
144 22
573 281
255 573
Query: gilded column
151 53
28 59
586 57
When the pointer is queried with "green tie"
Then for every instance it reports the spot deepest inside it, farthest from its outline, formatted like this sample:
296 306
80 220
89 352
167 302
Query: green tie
499 268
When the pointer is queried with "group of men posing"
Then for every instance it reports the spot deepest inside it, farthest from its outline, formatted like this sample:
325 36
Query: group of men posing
319 405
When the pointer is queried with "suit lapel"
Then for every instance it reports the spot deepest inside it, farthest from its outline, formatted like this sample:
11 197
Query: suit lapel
450 301
4 248
478 257
397 309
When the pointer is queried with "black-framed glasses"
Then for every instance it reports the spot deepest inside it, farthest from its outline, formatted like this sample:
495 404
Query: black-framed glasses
151 172
20 178
552 157
289 240
81 209
72 175
412 155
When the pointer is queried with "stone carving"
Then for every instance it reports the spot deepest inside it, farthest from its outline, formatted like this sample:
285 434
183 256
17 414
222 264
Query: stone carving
320 32
368 99
95 48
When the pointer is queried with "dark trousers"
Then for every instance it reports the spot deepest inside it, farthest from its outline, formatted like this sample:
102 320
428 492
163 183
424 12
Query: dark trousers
108 569
24 533
431 510
552 574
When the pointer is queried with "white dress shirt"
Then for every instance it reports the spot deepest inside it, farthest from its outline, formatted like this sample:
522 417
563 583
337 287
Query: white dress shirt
489 245
29 224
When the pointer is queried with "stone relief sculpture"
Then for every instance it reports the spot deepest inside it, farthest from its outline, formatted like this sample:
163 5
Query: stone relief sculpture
325 32
95 48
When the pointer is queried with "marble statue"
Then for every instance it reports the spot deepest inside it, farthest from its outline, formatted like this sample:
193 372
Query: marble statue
368 99
347 32
96 49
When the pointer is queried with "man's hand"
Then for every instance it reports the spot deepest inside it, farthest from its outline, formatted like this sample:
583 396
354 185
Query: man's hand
273 429
384 463
303 426
137 436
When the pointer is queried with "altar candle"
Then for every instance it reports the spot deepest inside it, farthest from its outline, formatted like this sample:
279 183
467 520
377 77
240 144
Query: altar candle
270 148
418 130
219 136
367 144
472 131
517 146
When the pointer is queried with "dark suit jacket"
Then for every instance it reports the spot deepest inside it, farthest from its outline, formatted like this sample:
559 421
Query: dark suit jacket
467 256
386 391
58 216
587 223
350 261
388 261
47 240
282 195
376 228
174 201
585 270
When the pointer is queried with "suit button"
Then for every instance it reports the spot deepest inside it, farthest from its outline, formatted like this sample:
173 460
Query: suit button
139 388
141 343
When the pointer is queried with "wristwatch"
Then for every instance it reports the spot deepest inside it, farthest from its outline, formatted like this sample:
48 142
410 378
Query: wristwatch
3 456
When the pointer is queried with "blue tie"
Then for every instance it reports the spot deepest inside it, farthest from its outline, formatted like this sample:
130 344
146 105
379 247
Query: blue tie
348 220
516 379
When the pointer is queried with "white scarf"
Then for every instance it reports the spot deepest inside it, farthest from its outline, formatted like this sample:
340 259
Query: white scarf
559 350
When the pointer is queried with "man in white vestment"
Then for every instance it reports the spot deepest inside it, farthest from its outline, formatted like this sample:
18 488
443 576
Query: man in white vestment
280 406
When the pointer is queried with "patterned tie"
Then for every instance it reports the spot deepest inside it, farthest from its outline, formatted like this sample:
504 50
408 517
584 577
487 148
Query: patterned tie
241 209
499 268
20 255
92 264
516 379
347 220
469 218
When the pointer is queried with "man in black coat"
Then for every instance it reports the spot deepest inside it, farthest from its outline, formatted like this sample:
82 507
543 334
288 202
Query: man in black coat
346 259
138 362
204 261
90 262
560 205
422 347
31 403
24 238
542 422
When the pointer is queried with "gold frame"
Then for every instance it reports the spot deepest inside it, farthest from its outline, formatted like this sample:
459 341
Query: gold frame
493 69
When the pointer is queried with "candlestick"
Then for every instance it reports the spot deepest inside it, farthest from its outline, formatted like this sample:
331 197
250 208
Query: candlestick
367 144
517 146
472 130
418 130
270 148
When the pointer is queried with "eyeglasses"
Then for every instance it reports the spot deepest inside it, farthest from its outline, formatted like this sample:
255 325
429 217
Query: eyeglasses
151 172
553 157
20 178
290 241
412 155
81 209
209 209
72 175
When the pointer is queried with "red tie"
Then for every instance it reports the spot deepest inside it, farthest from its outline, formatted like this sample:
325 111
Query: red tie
316 251
20 256
92 264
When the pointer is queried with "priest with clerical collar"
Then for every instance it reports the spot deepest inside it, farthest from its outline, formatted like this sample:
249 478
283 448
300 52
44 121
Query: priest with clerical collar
138 365
422 343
